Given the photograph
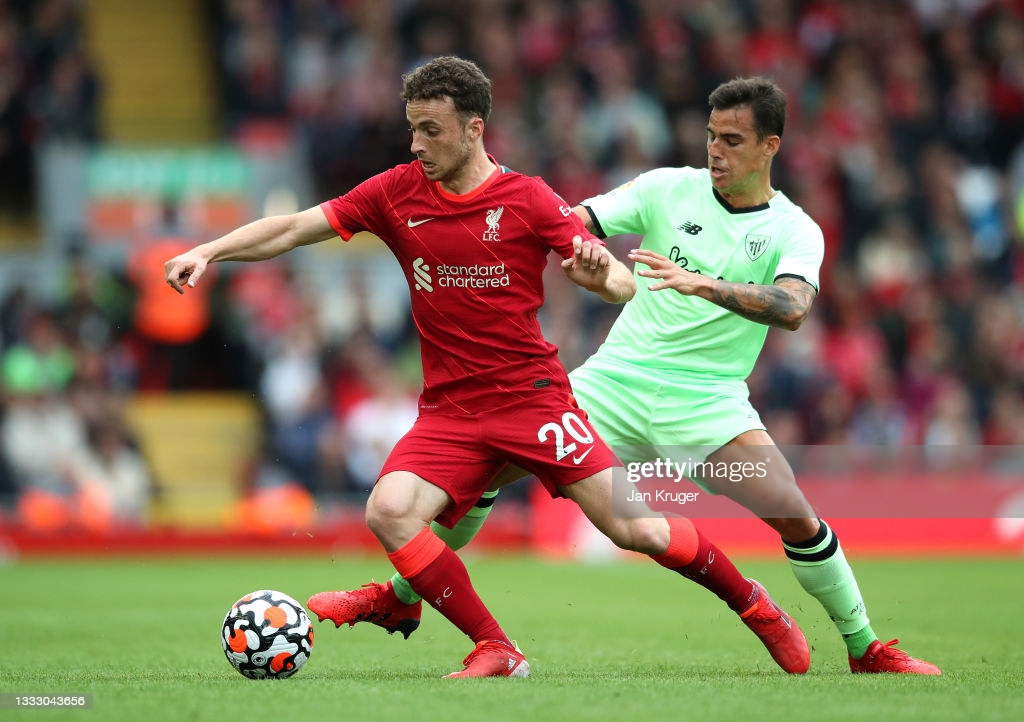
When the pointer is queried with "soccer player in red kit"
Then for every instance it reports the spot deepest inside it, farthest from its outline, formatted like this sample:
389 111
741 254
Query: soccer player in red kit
472 238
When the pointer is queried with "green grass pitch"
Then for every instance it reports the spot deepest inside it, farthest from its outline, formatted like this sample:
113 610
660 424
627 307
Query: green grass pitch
610 641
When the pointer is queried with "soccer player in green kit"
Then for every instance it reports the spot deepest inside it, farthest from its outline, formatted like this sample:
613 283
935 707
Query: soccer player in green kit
724 256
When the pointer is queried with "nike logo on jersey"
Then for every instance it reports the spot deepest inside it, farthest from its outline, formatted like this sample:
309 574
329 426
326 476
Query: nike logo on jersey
577 459
412 224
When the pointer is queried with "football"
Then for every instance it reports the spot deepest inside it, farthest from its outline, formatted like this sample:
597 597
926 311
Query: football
267 635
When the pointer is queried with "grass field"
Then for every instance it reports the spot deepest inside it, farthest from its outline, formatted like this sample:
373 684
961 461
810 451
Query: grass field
616 641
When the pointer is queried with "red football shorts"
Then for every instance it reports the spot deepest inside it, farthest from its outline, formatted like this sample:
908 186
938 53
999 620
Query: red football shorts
548 435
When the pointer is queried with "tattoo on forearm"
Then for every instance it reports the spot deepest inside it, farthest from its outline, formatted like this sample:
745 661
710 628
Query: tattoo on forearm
781 306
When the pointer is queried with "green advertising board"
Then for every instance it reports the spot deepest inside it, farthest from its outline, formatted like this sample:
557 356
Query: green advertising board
167 173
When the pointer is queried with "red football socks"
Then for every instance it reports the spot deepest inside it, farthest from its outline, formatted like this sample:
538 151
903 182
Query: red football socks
692 554
437 574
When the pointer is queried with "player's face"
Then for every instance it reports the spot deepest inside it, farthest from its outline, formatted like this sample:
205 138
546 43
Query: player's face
440 140
738 161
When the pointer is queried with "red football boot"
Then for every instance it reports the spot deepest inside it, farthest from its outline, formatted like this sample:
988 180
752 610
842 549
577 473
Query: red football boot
493 659
778 632
374 603
886 658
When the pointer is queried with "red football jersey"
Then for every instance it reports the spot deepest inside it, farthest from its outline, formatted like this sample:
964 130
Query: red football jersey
474 264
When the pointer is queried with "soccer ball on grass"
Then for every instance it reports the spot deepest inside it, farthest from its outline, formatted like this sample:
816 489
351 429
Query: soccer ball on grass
267 635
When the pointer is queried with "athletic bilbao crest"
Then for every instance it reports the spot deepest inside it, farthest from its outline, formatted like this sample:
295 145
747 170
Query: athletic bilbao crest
756 245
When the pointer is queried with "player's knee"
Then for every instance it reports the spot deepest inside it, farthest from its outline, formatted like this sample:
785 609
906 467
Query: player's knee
795 530
646 536
383 516
651 536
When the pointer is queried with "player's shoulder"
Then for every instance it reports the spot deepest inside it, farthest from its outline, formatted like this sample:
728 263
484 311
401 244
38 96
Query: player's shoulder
405 173
794 218
515 179
669 175
784 206
530 189
664 181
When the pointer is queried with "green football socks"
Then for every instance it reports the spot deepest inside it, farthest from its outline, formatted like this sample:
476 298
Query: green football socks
456 538
822 570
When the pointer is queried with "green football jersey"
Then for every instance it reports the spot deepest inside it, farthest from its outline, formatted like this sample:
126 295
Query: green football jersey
682 217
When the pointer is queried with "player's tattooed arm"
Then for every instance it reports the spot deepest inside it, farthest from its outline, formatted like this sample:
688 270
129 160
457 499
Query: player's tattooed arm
783 305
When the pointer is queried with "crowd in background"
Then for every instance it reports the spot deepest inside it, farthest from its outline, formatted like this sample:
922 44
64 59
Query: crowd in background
904 141
49 91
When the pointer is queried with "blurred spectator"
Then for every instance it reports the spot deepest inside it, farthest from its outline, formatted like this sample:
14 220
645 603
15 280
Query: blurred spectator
17 176
67 106
854 347
40 436
168 328
253 73
373 425
294 394
1006 418
16 309
115 473
42 359
880 419
951 433
623 116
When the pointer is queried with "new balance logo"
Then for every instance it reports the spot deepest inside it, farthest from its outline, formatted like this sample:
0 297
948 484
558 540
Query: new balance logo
691 228
420 273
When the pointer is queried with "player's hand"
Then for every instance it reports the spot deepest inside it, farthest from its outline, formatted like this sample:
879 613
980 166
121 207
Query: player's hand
666 273
589 264
184 270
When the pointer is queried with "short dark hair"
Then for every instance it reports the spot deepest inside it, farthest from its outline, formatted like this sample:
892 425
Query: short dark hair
452 77
766 100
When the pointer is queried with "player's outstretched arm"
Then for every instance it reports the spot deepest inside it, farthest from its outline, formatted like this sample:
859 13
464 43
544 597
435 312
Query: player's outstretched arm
782 305
256 241
593 267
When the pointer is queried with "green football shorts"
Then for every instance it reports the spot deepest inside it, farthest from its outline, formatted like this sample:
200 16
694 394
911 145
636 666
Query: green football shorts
650 415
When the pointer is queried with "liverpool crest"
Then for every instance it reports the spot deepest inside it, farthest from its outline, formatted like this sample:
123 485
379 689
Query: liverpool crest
493 219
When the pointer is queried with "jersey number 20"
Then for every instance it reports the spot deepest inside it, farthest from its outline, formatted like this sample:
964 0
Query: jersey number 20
572 425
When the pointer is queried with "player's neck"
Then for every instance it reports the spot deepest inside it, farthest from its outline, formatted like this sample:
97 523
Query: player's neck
749 198
472 176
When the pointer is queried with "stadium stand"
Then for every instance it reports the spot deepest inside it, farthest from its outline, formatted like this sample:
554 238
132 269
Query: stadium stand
905 142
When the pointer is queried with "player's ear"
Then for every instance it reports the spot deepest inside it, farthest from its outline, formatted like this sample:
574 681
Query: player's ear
771 145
